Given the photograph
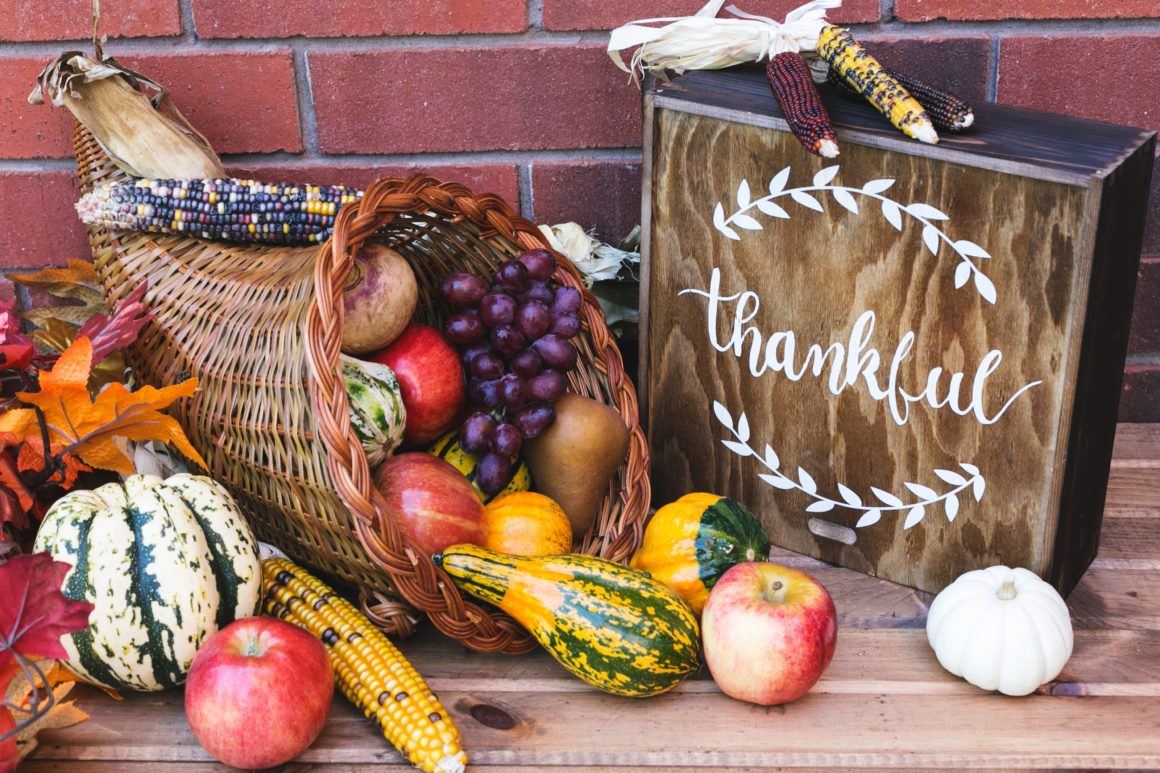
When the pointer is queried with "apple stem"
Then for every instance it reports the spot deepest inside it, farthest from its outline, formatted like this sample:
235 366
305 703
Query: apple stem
253 647
776 592
1007 590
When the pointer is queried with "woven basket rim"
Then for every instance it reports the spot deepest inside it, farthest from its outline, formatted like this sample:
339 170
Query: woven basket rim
423 584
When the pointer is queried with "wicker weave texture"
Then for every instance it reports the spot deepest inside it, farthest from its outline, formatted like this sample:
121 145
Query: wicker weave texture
260 326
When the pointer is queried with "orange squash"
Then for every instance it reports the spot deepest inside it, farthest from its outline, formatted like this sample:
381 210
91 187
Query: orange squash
527 524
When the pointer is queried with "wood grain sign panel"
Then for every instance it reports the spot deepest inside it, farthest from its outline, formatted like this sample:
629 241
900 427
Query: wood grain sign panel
880 353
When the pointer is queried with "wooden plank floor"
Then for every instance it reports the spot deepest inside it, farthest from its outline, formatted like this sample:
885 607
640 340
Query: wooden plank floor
884 703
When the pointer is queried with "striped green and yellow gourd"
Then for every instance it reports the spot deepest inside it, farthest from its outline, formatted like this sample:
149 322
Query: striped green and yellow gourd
614 627
166 564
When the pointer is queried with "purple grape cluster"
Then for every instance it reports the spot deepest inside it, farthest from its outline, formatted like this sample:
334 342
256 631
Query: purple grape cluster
515 339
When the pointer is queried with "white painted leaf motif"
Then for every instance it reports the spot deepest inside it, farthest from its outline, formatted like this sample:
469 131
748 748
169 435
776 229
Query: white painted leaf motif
985 287
918 209
771 209
886 497
808 484
821 506
849 496
843 197
824 176
914 516
719 223
743 195
970 468
892 212
877 186
771 460
738 448
777 481
722 414
806 200
746 222
777 184
969 249
951 477
978 488
962 274
952 505
743 428
930 238
869 519
927 494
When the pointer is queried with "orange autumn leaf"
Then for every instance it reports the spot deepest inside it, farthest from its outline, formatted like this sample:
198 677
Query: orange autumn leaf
31 458
86 426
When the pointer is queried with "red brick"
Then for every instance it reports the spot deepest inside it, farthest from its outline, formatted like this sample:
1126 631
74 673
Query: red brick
962 65
337 18
71 19
1103 77
41 227
500 179
504 98
30 131
926 10
241 102
600 195
606 14
1140 398
1152 222
1145 336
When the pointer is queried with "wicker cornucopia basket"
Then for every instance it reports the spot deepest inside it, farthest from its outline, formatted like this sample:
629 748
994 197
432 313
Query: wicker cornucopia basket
260 326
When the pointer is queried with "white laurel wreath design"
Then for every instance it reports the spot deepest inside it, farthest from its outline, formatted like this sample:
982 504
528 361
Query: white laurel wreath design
872 513
932 235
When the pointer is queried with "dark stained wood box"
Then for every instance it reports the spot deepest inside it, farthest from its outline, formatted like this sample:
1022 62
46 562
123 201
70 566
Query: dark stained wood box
906 360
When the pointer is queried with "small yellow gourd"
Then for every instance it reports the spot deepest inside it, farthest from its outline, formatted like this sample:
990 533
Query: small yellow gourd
527 524
1001 629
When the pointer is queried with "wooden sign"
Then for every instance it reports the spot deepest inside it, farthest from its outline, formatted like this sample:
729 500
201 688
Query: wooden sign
905 360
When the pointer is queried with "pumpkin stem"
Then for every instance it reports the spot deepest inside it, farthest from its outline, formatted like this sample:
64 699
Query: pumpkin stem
1007 590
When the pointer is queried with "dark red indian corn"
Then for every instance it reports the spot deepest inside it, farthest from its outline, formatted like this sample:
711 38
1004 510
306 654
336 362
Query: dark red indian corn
793 88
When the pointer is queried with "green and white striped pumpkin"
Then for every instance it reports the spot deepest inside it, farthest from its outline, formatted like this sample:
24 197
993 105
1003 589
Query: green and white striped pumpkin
376 407
166 564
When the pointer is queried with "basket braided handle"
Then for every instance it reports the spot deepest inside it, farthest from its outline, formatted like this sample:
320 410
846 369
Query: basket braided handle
416 578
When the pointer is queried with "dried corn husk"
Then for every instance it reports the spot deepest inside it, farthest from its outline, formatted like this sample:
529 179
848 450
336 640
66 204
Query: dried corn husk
704 42
129 115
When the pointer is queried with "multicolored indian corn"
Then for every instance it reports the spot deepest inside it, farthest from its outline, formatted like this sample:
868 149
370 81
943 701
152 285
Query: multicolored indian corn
797 96
227 209
946 111
368 668
863 72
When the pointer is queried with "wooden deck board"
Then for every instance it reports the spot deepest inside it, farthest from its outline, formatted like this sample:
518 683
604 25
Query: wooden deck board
884 703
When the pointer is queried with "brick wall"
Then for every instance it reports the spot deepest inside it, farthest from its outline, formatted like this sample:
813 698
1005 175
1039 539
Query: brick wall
517 97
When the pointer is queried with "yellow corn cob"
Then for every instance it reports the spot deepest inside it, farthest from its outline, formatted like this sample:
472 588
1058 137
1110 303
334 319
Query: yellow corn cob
369 670
862 71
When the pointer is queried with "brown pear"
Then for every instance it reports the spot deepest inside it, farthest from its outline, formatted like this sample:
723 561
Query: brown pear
574 460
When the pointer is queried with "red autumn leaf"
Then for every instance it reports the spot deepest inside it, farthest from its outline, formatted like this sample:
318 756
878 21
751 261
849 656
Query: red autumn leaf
15 356
108 335
15 498
34 614
10 332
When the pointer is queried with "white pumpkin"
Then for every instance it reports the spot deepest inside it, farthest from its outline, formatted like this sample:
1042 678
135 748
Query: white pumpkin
1001 629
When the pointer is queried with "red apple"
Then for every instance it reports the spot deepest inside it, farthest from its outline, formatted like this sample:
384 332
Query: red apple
430 378
769 632
258 692
433 503
378 299
9 753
